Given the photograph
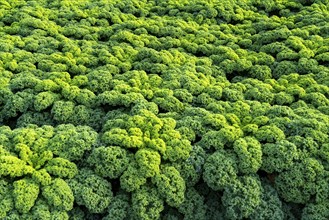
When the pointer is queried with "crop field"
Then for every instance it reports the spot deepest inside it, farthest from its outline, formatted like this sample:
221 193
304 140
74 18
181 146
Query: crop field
164 109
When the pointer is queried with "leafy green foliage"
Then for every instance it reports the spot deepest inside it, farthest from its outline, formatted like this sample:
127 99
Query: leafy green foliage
220 170
71 142
170 185
242 197
109 161
25 193
171 109
59 195
146 203
92 191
